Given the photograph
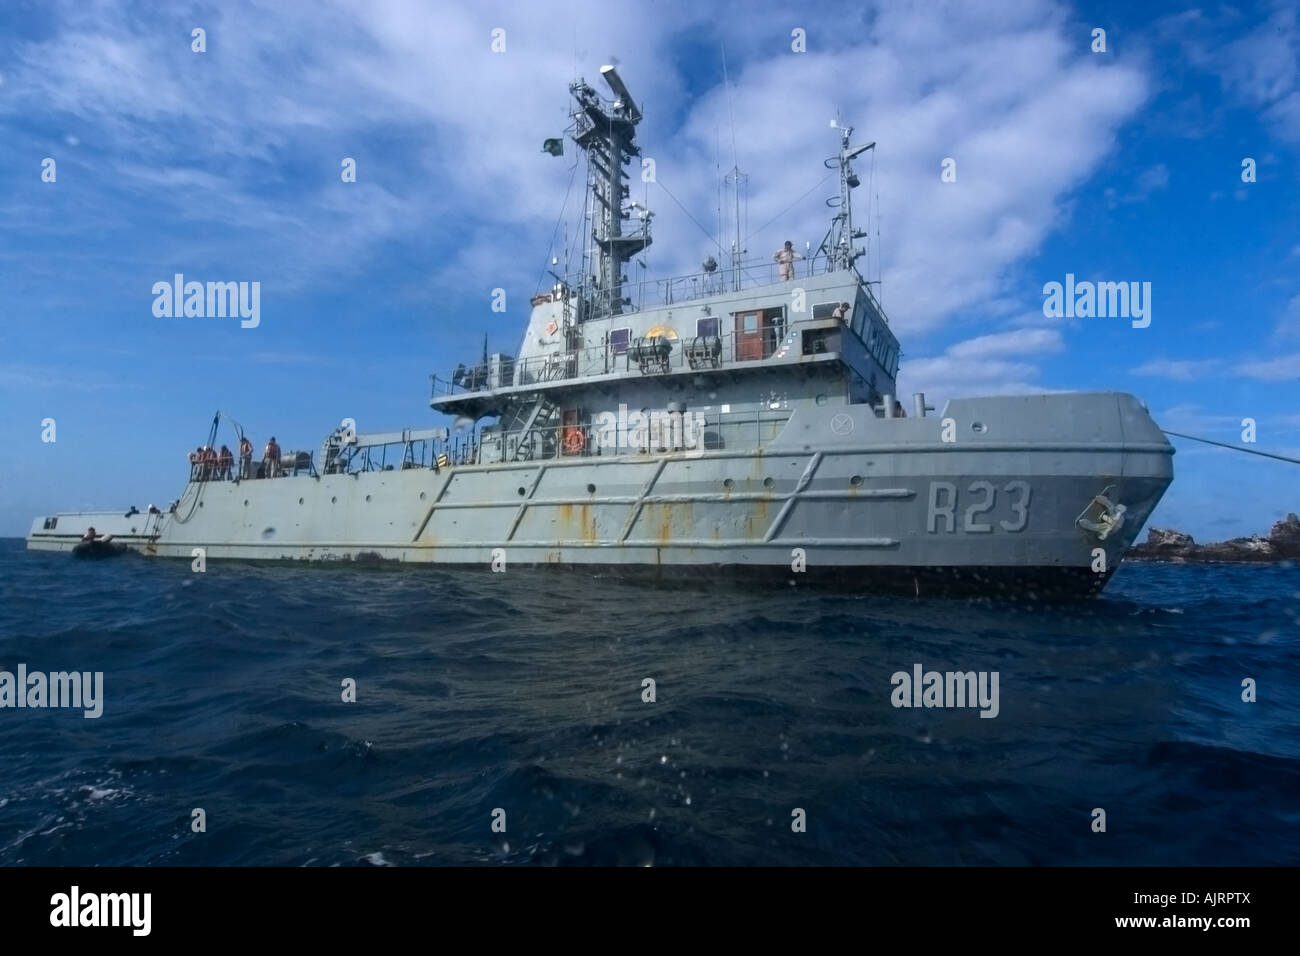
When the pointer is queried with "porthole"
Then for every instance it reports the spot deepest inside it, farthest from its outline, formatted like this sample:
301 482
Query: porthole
856 481
821 399
245 502
978 427
728 483
333 501
422 496
299 501
768 482
591 489
367 497
522 492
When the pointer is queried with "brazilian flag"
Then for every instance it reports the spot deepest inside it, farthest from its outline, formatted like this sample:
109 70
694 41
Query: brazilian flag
553 146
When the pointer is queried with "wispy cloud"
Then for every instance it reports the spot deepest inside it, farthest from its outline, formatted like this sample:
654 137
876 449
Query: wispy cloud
1185 370
1278 369
1150 180
1288 326
1259 68
985 85
995 364
37 379
287 358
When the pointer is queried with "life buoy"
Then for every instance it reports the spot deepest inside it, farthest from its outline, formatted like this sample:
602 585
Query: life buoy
574 442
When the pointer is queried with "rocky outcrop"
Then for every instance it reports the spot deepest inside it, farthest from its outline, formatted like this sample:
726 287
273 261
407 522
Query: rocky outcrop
1282 544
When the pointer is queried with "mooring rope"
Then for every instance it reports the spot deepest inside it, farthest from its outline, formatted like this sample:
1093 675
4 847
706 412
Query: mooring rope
1248 451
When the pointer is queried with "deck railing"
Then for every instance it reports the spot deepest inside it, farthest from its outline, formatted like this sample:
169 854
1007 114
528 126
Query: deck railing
695 353
631 434
695 431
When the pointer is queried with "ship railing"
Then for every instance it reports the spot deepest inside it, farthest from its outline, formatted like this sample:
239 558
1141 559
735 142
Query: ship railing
714 348
647 292
747 274
629 434
291 463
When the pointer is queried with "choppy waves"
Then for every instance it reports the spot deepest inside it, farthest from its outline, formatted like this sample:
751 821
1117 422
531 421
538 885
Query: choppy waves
522 692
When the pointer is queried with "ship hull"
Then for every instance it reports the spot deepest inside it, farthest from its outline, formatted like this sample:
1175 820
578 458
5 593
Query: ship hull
993 496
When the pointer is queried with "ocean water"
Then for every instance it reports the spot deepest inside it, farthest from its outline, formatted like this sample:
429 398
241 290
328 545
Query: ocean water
522 692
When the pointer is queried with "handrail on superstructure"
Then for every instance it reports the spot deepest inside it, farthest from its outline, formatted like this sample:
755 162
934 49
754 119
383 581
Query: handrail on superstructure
687 353
701 284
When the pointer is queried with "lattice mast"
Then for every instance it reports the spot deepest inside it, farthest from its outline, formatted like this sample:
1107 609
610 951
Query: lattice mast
606 131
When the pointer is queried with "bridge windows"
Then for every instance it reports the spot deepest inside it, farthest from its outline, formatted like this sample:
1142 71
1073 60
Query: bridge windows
882 349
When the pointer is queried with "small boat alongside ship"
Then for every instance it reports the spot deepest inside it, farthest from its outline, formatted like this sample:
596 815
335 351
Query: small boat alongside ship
98 549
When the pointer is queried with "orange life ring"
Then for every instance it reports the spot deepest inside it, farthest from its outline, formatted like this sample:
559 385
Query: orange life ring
574 441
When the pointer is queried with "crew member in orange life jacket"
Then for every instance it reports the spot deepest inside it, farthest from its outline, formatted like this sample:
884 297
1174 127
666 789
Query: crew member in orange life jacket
271 459
245 457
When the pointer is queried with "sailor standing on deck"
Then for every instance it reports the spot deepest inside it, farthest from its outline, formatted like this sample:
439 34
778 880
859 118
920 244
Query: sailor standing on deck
224 461
245 457
271 459
786 257
205 463
841 312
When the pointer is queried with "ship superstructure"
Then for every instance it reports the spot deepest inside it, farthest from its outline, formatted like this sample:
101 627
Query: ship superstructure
739 421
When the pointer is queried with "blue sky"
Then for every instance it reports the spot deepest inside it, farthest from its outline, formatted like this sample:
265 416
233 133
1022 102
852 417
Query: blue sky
225 166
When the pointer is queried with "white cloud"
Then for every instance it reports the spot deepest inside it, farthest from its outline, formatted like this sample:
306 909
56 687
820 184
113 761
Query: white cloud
992 364
1260 68
1149 181
1289 325
1272 370
1024 341
1180 370
1191 417
284 92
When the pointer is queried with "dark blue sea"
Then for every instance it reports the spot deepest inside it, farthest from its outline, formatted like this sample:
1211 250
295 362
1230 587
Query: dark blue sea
523 692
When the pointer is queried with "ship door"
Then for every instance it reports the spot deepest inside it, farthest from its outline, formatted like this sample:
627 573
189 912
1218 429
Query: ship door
572 440
750 329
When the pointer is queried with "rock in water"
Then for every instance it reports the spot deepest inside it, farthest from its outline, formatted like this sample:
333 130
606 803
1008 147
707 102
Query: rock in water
1285 537
1167 541
1282 544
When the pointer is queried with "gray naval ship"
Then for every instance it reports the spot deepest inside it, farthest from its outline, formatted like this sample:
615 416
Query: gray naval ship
741 422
